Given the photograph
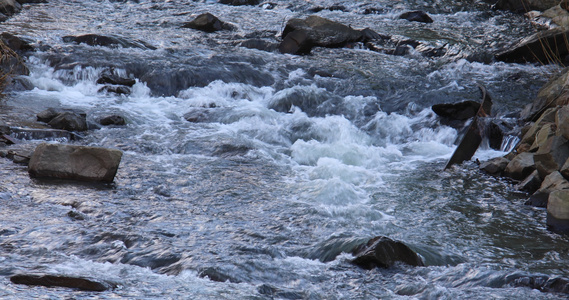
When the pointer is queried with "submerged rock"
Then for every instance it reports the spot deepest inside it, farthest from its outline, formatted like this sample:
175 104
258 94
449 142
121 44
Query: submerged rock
112 120
240 2
384 252
74 162
62 281
416 16
208 23
107 41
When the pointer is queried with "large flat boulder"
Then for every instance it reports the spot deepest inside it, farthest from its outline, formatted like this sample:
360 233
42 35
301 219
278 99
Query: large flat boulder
74 162
300 36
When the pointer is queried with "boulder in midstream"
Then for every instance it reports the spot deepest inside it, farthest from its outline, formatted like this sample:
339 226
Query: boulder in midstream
384 252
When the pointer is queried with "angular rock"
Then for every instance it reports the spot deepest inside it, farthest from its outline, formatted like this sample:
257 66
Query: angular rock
69 121
543 47
384 252
240 2
61 281
208 23
74 162
554 93
112 120
565 169
521 166
416 16
551 155
553 182
558 211
543 135
316 31
107 41
457 111
15 43
495 166
548 117
9 7
562 121
542 283
538 199
531 184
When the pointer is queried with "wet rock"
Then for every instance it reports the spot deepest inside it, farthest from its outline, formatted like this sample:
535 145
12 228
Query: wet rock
15 43
278 293
107 41
521 166
69 121
119 90
337 7
260 44
208 23
531 184
457 111
112 120
216 275
74 162
542 47
9 7
62 281
542 283
558 211
109 78
384 252
373 11
538 199
523 6
416 16
300 36
495 166
240 2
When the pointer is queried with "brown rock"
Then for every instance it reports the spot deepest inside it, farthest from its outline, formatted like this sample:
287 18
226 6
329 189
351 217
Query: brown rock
554 93
562 121
551 156
521 166
74 162
495 166
553 182
558 211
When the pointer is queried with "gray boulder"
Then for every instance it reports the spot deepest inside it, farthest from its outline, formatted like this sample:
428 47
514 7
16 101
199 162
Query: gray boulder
69 121
74 162
384 252
300 36
551 155
495 166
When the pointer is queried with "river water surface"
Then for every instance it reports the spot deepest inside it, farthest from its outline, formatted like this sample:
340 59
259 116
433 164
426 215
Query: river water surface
295 158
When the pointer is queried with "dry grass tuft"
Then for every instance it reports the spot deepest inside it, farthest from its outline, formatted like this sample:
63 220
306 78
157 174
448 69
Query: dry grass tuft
6 56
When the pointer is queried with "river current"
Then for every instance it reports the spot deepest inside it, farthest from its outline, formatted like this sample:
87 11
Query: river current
295 159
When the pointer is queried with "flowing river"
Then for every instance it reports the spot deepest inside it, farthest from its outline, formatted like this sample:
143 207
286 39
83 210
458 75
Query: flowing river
295 158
